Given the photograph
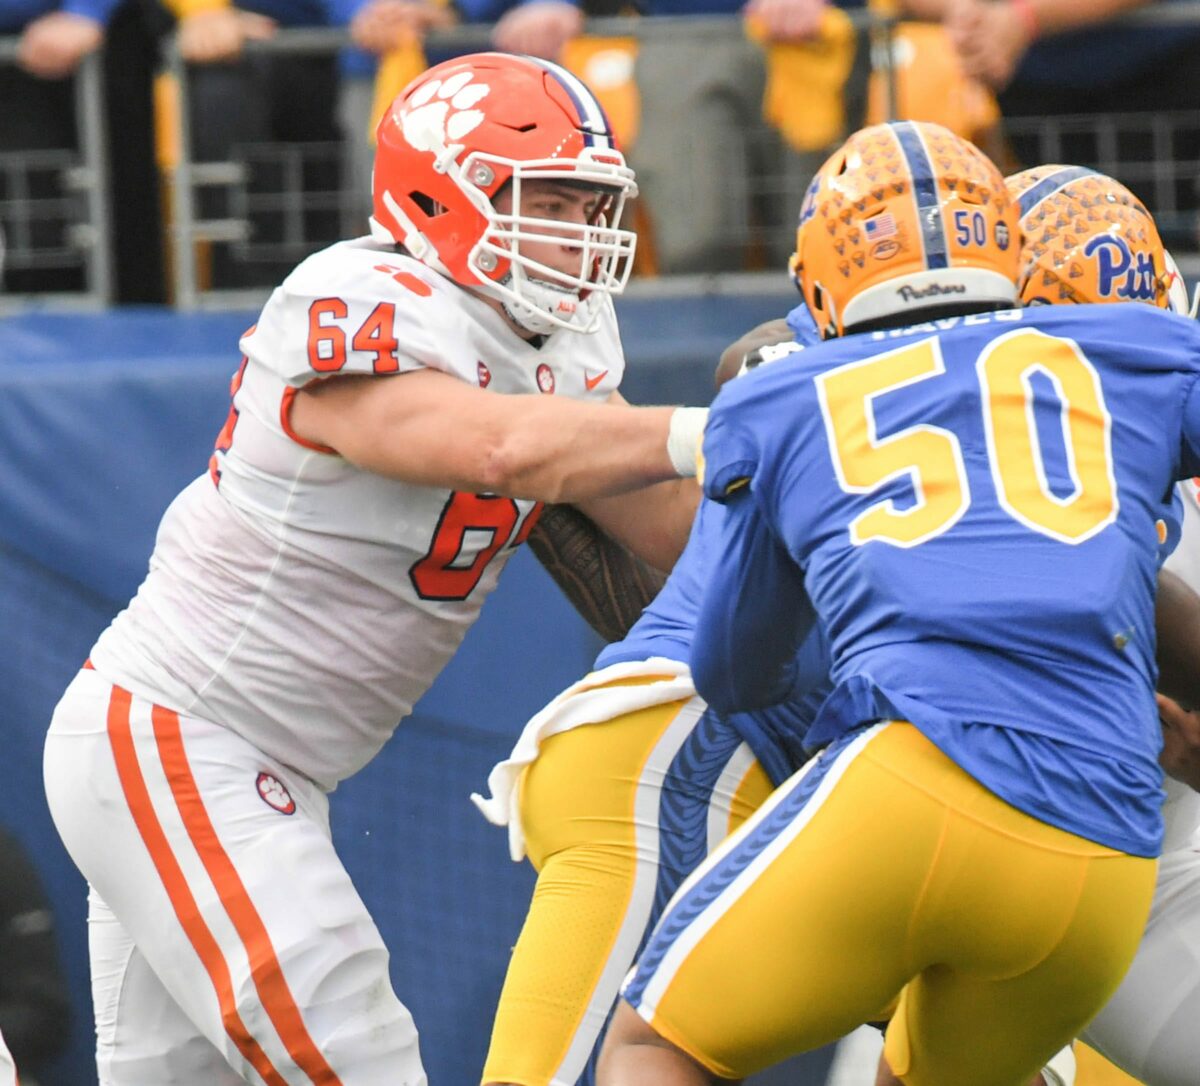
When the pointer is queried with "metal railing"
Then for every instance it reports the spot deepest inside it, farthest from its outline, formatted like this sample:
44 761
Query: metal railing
190 177
1139 148
82 214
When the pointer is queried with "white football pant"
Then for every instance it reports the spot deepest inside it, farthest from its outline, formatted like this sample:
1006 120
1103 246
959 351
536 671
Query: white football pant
227 942
1151 1026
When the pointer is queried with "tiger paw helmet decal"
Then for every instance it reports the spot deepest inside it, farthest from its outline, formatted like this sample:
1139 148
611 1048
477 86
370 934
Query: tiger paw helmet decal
428 122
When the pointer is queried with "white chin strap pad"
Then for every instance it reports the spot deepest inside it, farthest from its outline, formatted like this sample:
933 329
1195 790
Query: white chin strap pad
1060 1071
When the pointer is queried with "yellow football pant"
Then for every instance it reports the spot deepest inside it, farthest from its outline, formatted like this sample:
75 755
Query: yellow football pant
884 868
591 807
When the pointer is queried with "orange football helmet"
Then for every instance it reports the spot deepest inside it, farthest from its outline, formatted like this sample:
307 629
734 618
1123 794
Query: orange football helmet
1086 238
903 218
465 129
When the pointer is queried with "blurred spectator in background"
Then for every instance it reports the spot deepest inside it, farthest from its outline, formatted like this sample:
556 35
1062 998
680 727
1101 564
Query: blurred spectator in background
393 31
383 25
930 82
279 102
54 41
698 140
39 116
1058 58
33 995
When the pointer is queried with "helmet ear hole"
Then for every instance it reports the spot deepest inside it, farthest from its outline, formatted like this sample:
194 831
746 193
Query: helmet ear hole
426 203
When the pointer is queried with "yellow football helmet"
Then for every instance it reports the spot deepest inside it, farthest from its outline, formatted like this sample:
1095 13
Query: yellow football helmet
1086 238
905 217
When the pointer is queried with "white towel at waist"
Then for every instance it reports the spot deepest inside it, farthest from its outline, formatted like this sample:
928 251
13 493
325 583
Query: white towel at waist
589 701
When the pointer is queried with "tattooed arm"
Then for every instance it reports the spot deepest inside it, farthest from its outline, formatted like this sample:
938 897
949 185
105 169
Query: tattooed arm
606 583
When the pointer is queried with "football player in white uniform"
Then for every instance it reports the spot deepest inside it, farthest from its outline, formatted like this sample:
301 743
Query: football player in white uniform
404 404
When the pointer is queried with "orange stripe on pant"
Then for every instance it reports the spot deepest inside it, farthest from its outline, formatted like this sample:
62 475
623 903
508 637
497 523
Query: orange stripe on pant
188 912
269 981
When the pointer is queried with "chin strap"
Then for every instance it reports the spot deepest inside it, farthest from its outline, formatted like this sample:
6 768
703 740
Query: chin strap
544 308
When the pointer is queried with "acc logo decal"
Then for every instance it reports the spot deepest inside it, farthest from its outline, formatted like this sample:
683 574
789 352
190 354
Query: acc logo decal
545 378
272 792
484 374
885 250
426 118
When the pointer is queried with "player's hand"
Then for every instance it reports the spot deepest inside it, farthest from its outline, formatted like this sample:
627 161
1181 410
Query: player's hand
540 28
990 39
787 20
52 47
211 37
737 353
1180 756
385 24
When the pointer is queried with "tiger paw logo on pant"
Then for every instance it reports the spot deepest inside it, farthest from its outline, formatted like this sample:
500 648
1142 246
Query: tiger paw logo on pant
273 794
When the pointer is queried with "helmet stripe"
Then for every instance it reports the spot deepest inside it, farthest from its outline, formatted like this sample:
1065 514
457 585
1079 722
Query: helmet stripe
593 122
1048 186
925 192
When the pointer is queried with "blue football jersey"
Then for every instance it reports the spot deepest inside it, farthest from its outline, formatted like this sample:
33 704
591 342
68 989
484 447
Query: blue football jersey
974 509
775 734
804 328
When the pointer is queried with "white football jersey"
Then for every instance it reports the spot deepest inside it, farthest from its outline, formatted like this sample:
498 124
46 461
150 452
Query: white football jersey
297 599
1181 812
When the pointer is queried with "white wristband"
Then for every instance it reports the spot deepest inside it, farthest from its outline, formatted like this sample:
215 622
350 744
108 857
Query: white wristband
684 437
1060 1071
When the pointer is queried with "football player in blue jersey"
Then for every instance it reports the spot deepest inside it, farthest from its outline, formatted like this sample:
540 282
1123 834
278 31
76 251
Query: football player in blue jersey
615 792
615 814
969 504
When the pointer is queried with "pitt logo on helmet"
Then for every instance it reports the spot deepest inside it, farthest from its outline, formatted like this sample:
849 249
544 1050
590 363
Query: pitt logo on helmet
904 218
1086 238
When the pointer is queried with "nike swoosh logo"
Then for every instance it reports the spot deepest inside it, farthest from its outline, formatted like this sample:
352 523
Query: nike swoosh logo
592 382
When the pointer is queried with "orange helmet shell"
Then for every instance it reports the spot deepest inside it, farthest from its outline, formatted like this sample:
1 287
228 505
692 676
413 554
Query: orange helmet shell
904 217
466 129
1086 238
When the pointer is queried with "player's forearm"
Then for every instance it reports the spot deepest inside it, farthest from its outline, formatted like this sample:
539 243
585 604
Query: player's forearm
571 452
654 522
753 618
432 430
605 582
